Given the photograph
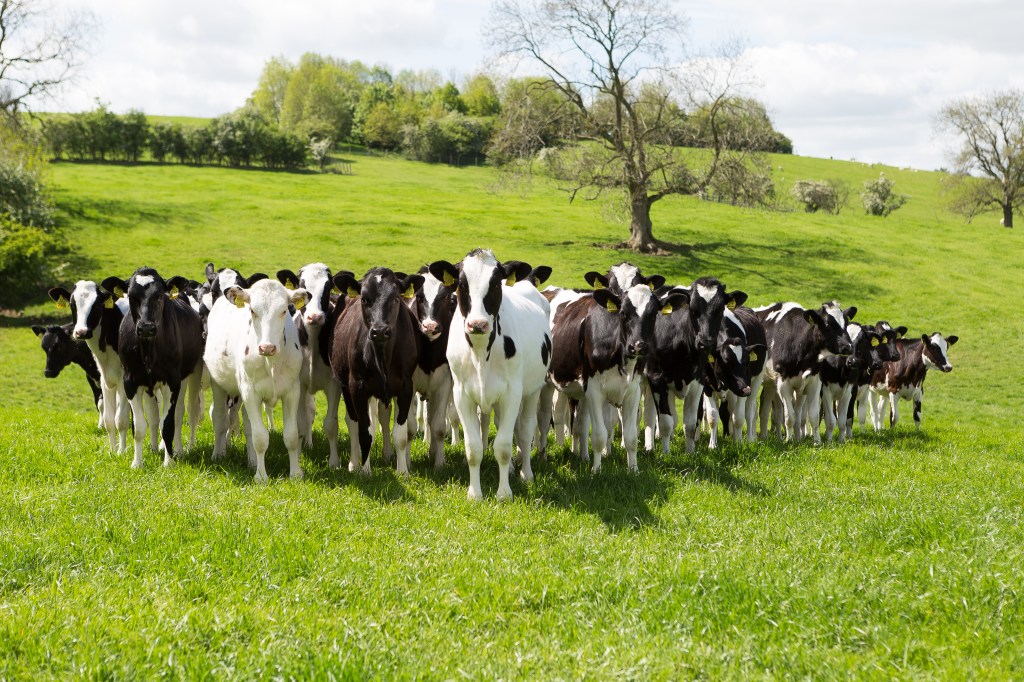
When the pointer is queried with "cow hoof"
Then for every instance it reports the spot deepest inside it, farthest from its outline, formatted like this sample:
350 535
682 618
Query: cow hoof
217 456
297 475
365 470
634 469
404 475
504 494
260 478
526 476
474 495
137 463
595 469
353 467
335 464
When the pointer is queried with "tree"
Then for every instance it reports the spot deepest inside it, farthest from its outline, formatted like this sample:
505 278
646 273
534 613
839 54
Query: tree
268 98
39 52
615 63
481 96
878 197
988 164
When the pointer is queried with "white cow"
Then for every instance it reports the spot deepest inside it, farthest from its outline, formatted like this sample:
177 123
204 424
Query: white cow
498 350
252 351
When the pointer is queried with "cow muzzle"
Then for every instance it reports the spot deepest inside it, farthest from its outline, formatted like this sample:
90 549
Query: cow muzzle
268 349
947 368
315 318
50 374
638 348
380 333
146 330
82 333
745 391
480 326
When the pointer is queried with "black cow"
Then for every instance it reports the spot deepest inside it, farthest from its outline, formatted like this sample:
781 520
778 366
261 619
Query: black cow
677 365
798 340
374 354
904 378
888 351
842 375
735 375
161 345
62 350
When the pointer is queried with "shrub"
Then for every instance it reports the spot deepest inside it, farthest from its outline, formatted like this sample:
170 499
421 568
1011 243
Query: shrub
453 139
22 196
27 257
878 197
815 195
320 150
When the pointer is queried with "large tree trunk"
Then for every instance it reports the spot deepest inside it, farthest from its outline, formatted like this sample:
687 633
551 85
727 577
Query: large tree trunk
641 234
1007 215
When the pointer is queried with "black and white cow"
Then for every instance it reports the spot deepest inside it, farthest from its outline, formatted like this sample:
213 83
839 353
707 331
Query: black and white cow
315 325
798 340
499 348
62 350
160 346
735 376
374 353
842 374
599 341
904 378
621 278
252 353
96 317
887 352
683 341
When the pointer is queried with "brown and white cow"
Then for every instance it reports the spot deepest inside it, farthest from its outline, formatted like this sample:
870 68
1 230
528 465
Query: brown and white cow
903 379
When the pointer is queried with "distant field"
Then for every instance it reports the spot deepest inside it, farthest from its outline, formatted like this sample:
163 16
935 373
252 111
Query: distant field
898 555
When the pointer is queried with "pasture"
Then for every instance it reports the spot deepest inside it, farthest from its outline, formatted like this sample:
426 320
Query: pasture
896 555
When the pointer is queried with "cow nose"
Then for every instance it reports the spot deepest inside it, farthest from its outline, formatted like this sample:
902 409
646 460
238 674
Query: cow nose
480 326
745 391
49 373
947 368
430 327
380 332
82 333
147 329
701 345
268 349
315 318
638 348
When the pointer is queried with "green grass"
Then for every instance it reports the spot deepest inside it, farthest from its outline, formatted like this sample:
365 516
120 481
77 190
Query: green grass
897 555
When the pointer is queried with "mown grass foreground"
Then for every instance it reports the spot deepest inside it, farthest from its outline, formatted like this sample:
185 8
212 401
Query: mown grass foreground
898 555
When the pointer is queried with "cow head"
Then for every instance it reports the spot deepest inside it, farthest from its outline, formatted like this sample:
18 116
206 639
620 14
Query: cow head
637 311
87 301
147 293
623 277
868 348
708 303
58 345
268 302
220 280
936 351
479 279
434 305
381 292
729 364
830 322
889 351
317 280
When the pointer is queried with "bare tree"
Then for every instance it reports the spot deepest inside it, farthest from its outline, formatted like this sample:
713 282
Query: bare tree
39 51
619 66
988 164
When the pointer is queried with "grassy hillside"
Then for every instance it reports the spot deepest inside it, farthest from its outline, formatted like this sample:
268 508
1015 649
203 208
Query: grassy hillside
895 556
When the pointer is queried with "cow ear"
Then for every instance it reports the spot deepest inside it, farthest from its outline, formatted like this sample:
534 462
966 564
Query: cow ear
926 339
607 300
655 282
596 280
445 272
410 285
813 318
735 298
334 287
60 296
673 302
37 330
211 273
950 340
516 271
539 275
876 339
850 312
889 335
237 295
288 278
299 298
900 332
115 285
176 285
347 284
255 277
756 351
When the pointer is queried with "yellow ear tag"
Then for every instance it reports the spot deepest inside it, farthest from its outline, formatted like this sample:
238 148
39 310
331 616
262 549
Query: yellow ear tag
109 303
899 336
173 293
352 293
61 303
667 310
511 279
300 304
597 284
731 305
289 286
651 285
335 289
753 356
711 358
409 293
874 343
239 303
611 307
118 291
448 280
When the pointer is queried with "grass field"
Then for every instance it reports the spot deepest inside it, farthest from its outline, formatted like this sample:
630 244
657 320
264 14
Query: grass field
897 555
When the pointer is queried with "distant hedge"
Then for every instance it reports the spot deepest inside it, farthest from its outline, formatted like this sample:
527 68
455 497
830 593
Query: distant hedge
243 138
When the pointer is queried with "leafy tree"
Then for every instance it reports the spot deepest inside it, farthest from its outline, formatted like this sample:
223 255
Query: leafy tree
268 98
383 127
481 96
878 197
821 195
134 135
988 162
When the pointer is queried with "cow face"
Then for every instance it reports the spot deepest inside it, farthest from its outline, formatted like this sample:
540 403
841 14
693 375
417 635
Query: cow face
636 313
708 303
317 280
147 293
381 292
730 364
220 280
889 351
830 321
268 302
623 277
936 351
868 348
434 306
87 301
480 279
59 347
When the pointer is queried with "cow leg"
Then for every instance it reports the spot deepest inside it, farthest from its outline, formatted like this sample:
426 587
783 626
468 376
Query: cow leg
581 431
384 421
829 396
711 417
593 403
752 408
195 403
507 407
894 410
257 433
845 396
526 427
333 392
140 425
110 404
219 417
560 417
453 423
437 419
917 411
471 432
666 419
355 460
250 450
544 412
151 409
691 402
863 397
122 409
631 424
170 428
305 414
650 410
812 400
291 404
235 416
403 416
788 397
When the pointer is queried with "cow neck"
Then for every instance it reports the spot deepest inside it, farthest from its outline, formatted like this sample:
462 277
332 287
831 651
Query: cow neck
494 335
108 328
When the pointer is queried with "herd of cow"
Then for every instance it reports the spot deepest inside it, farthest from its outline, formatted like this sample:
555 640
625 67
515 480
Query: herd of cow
470 340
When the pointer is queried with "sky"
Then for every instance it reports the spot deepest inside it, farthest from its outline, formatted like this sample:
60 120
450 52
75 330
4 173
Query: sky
846 79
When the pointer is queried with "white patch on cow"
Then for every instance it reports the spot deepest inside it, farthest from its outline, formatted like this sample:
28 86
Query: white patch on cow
943 347
706 292
833 310
886 326
783 311
738 352
432 286
729 315
854 330
315 278
227 277
85 295
143 280
624 274
640 295
208 300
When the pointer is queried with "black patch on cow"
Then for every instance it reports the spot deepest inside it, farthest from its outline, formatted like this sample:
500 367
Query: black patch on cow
510 347
545 349
247 350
